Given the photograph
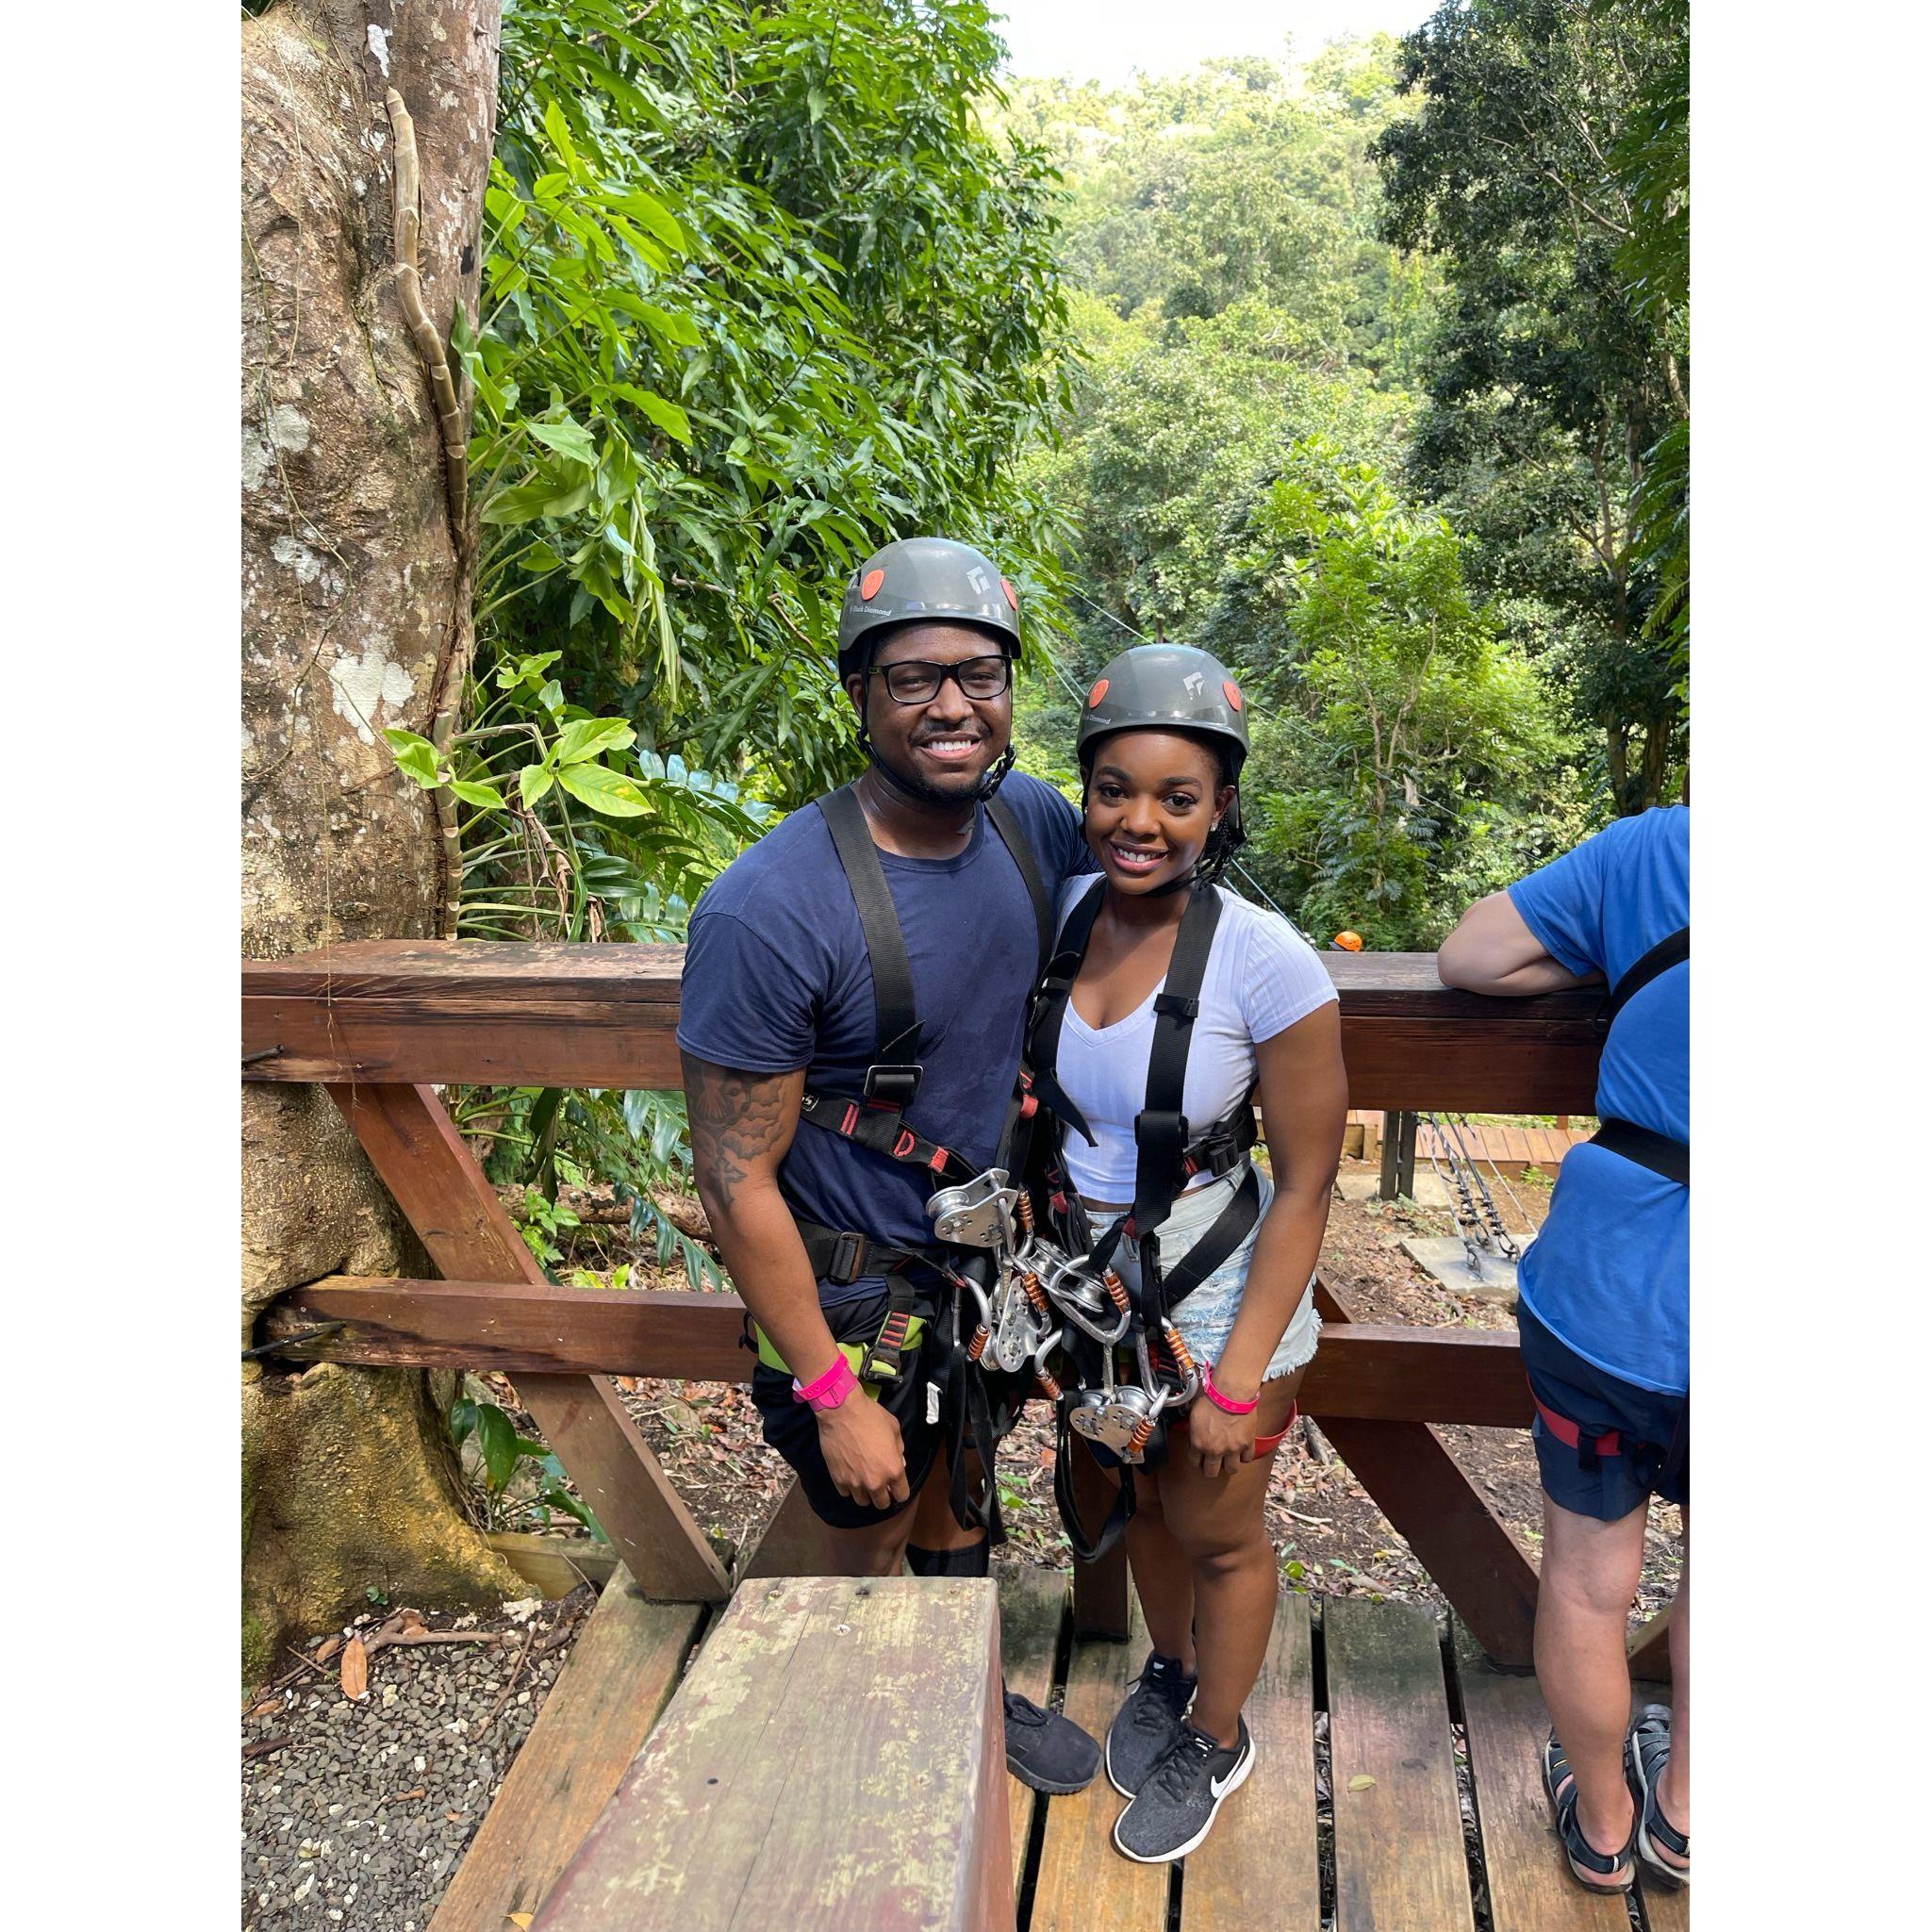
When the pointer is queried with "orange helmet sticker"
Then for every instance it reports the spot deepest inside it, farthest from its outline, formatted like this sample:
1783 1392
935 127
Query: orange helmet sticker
868 585
1099 692
1232 691
1011 595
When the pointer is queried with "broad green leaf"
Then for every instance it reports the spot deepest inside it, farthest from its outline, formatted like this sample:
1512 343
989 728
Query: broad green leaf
654 215
603 791
416 756
485 796
666 414
588 737
567 439
496 1436
533 781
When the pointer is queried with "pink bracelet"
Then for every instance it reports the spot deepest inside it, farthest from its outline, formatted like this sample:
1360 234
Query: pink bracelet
831 1389
1221 1401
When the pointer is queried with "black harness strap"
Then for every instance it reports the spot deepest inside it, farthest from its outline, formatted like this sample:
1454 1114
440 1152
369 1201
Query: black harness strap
1160 1129
893 1078
1673 949
1657 1151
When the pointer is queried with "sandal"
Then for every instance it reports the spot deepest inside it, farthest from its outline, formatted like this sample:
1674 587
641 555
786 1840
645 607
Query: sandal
1646 1751
1593 1870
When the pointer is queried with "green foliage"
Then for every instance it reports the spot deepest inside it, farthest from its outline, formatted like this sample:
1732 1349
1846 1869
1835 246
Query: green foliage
1401 748
1560 367
501 1454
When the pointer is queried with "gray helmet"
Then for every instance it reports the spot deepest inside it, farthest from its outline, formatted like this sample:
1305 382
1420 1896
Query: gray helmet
922 578
1166 687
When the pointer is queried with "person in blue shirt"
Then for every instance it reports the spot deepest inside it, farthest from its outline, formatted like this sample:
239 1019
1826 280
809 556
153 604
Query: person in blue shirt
820 1216
1605 1315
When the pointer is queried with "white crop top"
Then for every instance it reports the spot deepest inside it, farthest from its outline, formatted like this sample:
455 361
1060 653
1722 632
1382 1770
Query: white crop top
1261 976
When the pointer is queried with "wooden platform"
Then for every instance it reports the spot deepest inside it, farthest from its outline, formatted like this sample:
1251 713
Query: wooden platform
1366 1810
1509 1147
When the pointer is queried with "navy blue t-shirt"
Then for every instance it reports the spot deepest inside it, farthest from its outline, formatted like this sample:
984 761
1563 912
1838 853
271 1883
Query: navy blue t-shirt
777 977
1610 1275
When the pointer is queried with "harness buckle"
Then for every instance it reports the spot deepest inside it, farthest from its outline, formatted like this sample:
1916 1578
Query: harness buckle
893 1086
1178 1004
847 1262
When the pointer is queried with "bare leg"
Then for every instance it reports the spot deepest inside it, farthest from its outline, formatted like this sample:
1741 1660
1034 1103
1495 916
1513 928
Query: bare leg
1590 1574
1163 1577
934 1524
1219 1522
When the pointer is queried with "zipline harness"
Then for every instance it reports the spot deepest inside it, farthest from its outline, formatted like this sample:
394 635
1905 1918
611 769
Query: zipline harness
1658 1151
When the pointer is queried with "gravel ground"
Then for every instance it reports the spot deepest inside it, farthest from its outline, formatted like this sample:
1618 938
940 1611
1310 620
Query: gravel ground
360 1817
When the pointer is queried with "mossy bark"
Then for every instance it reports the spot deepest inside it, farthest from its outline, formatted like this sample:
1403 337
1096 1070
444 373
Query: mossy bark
355 617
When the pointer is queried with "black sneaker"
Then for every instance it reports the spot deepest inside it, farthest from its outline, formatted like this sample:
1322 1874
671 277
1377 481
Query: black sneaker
1148 1722
1174 1809
1045 1750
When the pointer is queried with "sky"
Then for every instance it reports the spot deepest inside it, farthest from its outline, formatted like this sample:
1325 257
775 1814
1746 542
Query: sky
1101 40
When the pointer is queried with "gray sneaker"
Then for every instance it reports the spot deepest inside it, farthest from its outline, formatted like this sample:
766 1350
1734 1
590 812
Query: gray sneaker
1147 1725
1176 1807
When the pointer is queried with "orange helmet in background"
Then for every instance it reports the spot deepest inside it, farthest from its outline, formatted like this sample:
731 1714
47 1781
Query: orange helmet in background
1349 942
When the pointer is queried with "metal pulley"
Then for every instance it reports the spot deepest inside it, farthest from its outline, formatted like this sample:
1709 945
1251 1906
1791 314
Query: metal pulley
976 1213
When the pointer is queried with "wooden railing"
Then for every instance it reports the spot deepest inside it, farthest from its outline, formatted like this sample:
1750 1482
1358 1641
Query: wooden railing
381 1024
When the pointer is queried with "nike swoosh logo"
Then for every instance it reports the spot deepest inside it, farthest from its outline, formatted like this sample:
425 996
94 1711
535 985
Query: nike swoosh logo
1219 1785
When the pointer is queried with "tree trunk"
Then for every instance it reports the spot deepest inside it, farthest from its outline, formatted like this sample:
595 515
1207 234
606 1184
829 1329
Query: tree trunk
355 617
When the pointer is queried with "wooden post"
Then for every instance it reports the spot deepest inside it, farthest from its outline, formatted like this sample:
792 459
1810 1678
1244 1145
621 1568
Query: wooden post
1455 1536
1398 1155
1099 1588
415 1146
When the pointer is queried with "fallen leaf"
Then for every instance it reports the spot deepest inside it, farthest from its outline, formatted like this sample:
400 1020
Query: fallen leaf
397 1797
455 1817
354 1669
520 1918
1361 1782
329 1648
409 1622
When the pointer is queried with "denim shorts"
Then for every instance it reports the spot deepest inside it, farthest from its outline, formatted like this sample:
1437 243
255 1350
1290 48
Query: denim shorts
1654 1450
1206 1317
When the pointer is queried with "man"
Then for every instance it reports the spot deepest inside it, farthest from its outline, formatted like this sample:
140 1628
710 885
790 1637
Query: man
854 991
1605 1306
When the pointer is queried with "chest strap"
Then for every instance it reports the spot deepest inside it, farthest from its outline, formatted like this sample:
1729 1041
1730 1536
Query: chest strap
1647 1149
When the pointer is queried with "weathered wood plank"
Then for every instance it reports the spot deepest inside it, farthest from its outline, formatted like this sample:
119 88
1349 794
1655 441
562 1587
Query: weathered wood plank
1463 1545
417 1012
1530 1889
620 1674
1033 1607
555 1564
1393 1373
424 1163
834 1758
1263 1846
1084 1885
1398 1826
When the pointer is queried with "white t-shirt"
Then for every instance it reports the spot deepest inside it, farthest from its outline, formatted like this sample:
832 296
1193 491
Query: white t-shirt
1261 976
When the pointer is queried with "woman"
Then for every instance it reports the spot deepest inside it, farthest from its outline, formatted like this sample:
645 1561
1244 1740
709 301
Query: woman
1162 742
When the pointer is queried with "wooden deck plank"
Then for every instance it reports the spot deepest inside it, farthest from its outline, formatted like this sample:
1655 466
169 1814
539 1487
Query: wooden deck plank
1513 1146
620 1675
1263 1846
1033 1606
1398 1838
1530 1889
834 1760
1084 1884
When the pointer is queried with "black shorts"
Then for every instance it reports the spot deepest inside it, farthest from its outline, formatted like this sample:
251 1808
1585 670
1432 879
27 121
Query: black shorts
791 1428
1654 1456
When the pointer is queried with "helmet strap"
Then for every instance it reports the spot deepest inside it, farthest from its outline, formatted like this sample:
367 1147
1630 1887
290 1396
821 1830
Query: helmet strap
916 791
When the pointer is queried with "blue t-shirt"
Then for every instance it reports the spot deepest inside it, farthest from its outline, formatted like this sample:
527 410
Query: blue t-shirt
777 977
1610 1275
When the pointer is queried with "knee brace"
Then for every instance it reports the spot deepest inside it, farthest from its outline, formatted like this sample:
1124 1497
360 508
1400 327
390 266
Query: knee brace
975 1559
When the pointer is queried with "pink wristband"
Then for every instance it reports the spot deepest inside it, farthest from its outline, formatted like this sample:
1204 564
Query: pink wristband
1224 1402
831 1389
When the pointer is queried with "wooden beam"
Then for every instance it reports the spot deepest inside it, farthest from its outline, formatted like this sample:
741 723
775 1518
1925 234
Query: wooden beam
422 1160
1395 1374
507 1013
1650 1648
1419 1486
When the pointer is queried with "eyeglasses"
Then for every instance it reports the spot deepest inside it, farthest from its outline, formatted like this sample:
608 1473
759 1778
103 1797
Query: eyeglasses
917 681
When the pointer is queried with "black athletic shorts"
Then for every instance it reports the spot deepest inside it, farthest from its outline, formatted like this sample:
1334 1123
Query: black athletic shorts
791 1428
1654 1456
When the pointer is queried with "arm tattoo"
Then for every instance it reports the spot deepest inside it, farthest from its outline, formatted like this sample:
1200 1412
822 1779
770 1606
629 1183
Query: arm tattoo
736 1118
